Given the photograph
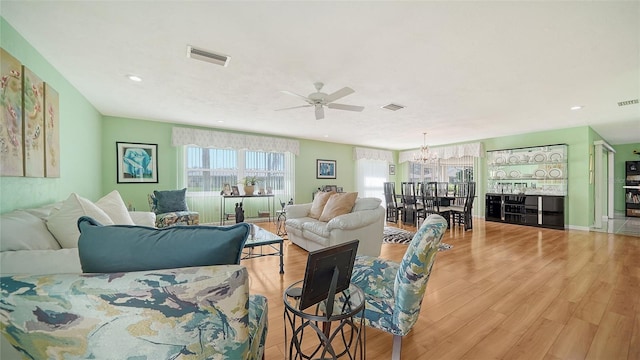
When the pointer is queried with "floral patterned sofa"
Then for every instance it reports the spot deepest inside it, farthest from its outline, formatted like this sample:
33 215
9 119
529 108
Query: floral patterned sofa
186 313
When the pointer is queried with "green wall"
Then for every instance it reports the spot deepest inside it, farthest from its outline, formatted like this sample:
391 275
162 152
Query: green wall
310 151
624 153
138 131
79 134
141 131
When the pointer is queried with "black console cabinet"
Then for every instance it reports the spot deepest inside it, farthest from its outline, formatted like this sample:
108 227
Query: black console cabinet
533 210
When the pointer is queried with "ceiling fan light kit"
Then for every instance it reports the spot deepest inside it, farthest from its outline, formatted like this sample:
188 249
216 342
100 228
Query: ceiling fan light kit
319 100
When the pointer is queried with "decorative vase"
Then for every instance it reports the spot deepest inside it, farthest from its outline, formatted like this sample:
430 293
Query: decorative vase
248 189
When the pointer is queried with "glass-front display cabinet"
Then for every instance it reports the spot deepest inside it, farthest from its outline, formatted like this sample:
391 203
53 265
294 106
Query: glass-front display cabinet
538 170
527 186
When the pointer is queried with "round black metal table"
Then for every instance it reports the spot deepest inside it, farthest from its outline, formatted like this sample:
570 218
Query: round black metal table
340 334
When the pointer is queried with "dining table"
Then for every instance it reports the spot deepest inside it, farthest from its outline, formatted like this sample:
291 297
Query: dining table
409 212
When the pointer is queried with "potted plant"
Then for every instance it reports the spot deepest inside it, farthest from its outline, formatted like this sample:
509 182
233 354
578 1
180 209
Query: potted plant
249 184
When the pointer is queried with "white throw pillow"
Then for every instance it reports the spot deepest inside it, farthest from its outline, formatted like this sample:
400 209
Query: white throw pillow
63 223
20 230
114 206
368 203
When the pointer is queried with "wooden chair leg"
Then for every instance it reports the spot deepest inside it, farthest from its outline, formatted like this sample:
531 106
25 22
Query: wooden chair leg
397 347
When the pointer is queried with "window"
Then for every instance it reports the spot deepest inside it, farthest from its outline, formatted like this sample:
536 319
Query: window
452 171
208 170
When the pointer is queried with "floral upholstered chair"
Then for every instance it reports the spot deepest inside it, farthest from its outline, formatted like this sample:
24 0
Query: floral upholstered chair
394 292
171 208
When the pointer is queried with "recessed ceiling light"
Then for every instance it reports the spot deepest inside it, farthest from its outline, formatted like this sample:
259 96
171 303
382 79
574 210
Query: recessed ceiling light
577 107
221 121
326 136
134 78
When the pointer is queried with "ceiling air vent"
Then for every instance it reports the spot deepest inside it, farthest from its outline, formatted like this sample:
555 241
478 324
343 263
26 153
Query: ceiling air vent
207 56
628 102
393 107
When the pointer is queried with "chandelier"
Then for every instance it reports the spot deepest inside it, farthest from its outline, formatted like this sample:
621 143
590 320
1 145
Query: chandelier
425 155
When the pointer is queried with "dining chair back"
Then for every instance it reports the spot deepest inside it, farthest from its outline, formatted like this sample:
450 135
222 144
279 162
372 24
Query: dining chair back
409 202
462 214
460 193
443 189
391 202
432 201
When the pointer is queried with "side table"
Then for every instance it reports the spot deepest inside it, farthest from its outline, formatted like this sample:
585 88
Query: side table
280 222
325 336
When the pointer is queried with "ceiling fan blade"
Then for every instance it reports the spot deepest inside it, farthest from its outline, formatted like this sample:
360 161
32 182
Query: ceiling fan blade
319 112
338 94
293 107
298 95
345 107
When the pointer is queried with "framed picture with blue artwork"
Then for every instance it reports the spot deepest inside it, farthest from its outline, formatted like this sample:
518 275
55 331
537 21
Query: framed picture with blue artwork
325 169
137 162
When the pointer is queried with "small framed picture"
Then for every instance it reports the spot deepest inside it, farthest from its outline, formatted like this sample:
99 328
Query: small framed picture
392 169
328 188
235 191
136 162
325 169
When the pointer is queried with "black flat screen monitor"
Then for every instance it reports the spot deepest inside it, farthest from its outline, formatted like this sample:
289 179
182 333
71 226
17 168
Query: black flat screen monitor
328 273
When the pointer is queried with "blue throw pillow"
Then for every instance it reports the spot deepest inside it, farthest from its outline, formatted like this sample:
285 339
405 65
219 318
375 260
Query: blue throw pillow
171 200
123 248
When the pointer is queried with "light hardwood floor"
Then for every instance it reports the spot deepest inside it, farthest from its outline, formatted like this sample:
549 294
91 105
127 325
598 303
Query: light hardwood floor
502 292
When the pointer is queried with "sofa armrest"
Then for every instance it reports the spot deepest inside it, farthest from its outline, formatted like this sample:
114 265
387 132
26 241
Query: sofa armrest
355 220
298 210
143 218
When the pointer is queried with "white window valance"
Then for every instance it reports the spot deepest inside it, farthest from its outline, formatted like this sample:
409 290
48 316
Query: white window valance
224 140
372 154
448 152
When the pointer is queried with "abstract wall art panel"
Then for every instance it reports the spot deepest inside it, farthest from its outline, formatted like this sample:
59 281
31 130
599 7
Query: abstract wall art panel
11 155
51 132
33 119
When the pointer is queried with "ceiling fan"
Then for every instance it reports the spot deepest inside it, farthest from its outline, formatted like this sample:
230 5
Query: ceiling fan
319 99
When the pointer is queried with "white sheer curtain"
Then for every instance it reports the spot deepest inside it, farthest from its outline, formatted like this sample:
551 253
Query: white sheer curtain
372 169
371 175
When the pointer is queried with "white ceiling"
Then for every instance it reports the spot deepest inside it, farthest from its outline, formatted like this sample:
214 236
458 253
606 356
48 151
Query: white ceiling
464 70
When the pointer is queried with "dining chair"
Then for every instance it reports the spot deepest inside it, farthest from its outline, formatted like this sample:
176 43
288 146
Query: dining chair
391 201
409 201
432 202
460 191
462 214
394 291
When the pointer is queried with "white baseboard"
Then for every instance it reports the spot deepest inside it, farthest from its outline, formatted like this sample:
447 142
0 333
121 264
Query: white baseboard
576 227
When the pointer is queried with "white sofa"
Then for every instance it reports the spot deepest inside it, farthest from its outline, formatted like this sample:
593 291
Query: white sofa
365 222
28 247
32 257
